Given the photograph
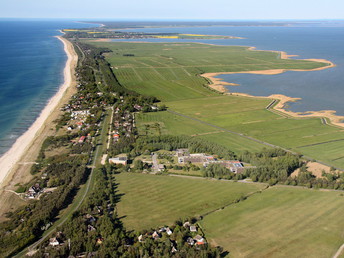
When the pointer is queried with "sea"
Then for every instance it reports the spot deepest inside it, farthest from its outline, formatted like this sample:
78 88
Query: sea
31 71
318 90
32 63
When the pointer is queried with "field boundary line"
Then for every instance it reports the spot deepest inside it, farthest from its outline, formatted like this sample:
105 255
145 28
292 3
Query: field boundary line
341 248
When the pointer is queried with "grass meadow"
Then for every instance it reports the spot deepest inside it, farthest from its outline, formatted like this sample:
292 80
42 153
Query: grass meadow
152 201
171 72
280 222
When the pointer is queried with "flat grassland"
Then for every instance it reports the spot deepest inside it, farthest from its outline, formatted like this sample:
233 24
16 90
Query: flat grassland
277 222
152 201
280 222
171 72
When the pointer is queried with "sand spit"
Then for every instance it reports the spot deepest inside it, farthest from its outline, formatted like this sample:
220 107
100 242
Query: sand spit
219 85
24 144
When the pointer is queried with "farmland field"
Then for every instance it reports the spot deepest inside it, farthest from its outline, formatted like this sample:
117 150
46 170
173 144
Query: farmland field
171 72
280 222
151 201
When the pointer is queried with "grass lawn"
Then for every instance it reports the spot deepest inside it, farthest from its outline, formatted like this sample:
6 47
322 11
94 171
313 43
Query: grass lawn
280 222
151 200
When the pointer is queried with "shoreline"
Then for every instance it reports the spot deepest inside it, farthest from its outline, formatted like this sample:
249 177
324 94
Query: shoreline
219 85
24 145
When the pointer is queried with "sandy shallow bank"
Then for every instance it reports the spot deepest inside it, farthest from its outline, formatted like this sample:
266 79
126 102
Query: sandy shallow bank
24 144
219 85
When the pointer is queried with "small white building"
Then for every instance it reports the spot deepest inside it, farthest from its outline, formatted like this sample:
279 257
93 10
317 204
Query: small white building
119 160
53 241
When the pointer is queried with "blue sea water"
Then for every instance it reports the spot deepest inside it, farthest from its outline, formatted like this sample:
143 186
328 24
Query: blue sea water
31 71
319 90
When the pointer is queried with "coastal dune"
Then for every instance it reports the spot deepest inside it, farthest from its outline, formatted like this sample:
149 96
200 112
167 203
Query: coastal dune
26 147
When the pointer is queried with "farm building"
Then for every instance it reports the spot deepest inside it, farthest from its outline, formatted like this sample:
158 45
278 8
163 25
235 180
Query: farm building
119 160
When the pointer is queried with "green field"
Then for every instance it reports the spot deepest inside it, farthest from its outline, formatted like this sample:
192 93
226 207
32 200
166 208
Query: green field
280 222
171 72
151 201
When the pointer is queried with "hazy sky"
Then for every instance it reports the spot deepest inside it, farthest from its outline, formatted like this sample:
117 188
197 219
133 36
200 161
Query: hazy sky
174 9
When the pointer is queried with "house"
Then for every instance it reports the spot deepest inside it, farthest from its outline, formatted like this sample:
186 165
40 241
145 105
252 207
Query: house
90 228
182 152
90 218
195 158
169 231
82 139
190 241
156 235
53 241
193 229
161 167
119 160
186 224
199 240
137 107
163 229
234 166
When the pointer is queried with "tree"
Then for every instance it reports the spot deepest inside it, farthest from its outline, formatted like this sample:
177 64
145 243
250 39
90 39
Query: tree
138 165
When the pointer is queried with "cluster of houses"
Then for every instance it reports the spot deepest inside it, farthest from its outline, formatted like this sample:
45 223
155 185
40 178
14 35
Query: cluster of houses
34 191
151 107
78 119
123 123
185 157
90 221
194 237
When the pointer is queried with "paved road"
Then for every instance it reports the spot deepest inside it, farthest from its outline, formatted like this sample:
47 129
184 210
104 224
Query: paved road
59 223
155 163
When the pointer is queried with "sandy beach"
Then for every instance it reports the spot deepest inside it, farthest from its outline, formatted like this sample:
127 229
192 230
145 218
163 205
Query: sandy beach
219 85
26 147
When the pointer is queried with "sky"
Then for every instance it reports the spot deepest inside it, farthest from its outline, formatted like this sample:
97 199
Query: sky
174 9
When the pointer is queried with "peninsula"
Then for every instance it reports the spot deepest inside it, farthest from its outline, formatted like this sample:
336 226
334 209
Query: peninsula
137 124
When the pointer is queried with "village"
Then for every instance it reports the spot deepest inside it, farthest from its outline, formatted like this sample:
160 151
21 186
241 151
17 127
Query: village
183 232
174 161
